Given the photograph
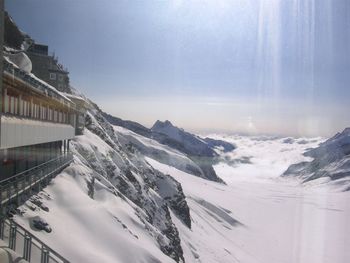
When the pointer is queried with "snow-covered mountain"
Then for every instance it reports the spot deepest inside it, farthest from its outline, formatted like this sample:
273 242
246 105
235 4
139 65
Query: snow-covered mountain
330 162
112 202
189 143
130 197
117 203
157 151
202 153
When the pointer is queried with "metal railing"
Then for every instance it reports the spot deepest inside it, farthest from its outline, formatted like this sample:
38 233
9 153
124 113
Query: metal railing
15 236
12 188
27 245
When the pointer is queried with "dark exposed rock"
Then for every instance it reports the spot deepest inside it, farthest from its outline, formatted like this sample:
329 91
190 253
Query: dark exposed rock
36 200
13 36
331 159
40 224
173 249
227 147
179 205
153 192
91 187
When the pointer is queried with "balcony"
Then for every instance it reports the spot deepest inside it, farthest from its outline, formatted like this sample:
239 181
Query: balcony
17 131
18 239
23 185
13 187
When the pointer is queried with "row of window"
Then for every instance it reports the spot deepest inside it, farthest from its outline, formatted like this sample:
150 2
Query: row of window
22 107
20 153
19 159
53 76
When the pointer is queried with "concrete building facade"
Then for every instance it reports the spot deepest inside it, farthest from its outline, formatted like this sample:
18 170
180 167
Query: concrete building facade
47 67
36 121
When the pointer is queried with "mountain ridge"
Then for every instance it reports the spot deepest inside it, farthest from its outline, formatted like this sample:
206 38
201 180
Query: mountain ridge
331 160
201 151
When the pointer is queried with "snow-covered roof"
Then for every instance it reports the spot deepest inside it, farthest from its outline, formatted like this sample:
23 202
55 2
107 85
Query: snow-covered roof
73 96
34 81
21 60
80 100
50 87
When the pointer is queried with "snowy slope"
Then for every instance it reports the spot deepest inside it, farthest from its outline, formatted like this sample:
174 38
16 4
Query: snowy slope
130 196
260 217
110 205
155 150
189 143
330 163
103 229
121 206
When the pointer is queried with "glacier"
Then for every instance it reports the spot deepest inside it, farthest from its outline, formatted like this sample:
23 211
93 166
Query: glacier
129 198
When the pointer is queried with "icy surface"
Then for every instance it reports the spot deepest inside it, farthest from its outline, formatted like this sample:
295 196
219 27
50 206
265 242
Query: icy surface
117 208
263 218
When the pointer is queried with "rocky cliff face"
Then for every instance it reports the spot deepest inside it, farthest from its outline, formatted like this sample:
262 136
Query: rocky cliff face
151 191
13 36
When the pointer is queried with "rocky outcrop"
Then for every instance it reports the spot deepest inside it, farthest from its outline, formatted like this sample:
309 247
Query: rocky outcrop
152 192
13 36
330 160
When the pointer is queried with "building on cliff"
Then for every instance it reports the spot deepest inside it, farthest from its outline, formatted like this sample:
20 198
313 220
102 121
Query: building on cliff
82 106
44 65
37 121
37 117
47 67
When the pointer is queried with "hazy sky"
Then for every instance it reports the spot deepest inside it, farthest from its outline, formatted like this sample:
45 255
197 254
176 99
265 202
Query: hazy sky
258 66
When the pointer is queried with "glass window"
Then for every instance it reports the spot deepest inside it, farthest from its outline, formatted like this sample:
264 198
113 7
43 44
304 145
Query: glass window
53 76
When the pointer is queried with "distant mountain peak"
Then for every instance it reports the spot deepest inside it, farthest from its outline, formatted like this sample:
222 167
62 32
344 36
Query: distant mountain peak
162 124
330 159
340 138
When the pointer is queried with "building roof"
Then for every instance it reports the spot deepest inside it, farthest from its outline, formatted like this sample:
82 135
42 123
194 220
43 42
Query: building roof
39 49
79 100
37 84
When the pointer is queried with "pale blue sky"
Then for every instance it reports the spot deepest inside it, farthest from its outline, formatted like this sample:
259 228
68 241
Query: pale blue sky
265 66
